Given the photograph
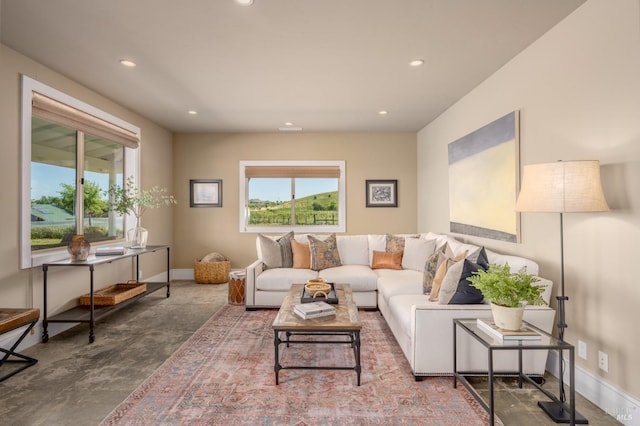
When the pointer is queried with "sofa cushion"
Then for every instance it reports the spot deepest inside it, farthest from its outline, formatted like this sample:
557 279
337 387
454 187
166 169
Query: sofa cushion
458 247
353 249
393 282
400 307
376 243
276 253
515 262
361 277
387 260
324 254
416 252
280 279
301 255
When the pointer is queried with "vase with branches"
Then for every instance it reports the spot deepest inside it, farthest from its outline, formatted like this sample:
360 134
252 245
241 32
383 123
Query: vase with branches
129 199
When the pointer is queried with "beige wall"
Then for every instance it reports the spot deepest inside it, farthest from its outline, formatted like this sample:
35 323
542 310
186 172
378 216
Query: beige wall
216 156
578 90
23 288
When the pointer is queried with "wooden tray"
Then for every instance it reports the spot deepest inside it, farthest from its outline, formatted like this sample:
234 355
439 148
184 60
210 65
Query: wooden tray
114 294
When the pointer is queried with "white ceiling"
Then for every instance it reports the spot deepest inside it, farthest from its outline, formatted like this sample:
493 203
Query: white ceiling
324 65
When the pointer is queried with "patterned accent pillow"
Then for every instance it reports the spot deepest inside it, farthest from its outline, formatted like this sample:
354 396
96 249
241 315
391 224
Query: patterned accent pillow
430 268
301 255
387 260
324 254
394 243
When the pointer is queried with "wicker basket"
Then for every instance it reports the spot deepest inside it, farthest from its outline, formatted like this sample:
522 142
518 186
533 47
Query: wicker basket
114 294
211 272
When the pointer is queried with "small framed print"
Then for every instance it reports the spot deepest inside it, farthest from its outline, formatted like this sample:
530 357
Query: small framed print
205 193
382 193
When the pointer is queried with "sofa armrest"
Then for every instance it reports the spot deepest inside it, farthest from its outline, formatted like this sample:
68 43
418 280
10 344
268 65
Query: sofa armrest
253 271
432 340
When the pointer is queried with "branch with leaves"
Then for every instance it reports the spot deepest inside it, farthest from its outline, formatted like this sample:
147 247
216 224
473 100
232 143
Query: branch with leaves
128 199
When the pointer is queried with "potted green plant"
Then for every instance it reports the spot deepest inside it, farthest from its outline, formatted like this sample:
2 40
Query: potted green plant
508 293
128 199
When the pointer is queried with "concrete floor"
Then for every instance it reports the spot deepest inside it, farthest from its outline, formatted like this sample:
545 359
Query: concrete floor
76 383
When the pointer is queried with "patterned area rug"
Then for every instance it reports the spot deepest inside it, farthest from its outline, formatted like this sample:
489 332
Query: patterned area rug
223 375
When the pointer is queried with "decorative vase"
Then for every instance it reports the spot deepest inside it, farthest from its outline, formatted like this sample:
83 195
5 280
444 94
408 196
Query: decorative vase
137 236
506 317
78 248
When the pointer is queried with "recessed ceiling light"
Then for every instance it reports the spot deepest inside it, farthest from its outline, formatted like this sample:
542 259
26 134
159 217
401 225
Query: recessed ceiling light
288 124
383 112
192 112
127 63
244 2
416 62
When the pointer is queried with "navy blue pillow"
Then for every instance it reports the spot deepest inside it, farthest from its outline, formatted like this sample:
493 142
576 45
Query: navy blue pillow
466 294
483 260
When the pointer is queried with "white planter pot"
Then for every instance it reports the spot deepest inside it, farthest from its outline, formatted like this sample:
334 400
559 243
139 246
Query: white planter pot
506 317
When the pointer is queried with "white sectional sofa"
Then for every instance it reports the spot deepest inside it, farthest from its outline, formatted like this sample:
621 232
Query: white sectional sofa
423 328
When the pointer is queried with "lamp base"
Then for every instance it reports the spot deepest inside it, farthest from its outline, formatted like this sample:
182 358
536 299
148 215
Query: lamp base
560 413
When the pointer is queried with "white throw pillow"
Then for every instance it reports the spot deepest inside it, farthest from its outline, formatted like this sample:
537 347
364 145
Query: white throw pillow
416 252
353 249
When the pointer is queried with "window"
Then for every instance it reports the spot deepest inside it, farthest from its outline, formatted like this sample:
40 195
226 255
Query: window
308 196
71 152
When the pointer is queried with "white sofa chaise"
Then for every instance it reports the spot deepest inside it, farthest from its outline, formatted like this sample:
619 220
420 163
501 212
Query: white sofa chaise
423 328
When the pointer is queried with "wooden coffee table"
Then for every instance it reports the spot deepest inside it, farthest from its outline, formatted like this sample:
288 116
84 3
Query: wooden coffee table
287 326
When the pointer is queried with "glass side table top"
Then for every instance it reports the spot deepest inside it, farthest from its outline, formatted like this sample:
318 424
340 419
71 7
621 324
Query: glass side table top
545 340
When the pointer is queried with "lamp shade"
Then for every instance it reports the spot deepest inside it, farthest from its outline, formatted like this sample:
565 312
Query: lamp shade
563 186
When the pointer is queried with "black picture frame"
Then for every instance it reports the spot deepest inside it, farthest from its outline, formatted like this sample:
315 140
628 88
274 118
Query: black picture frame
205 193
382 193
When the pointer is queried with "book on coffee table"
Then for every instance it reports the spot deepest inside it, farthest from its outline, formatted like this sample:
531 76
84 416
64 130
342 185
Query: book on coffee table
314 310
490 327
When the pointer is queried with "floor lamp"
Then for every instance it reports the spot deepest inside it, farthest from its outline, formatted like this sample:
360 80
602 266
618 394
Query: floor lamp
561 187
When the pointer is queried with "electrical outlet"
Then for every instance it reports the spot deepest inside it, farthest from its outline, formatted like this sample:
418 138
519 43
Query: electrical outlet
603 361
582 349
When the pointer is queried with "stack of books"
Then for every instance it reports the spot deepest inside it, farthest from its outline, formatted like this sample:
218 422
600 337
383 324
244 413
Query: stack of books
314 310
490 327
110 251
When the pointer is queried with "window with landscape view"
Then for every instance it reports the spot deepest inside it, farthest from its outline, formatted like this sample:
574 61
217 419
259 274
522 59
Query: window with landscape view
307 196
72 153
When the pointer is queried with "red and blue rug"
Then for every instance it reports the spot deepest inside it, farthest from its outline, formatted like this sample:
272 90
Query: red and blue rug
223 375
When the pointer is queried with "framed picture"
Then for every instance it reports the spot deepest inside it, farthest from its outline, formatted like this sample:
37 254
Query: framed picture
205 193
484 180
382 193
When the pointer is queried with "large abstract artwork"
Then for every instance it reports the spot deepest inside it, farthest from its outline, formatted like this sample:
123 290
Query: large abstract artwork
484 179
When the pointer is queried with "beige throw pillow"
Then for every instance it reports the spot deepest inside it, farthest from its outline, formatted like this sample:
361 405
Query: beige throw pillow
445 263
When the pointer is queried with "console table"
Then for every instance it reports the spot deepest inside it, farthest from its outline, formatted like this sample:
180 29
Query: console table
90 314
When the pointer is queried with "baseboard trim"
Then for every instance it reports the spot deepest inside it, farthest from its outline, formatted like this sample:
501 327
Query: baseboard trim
614 401
182 274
